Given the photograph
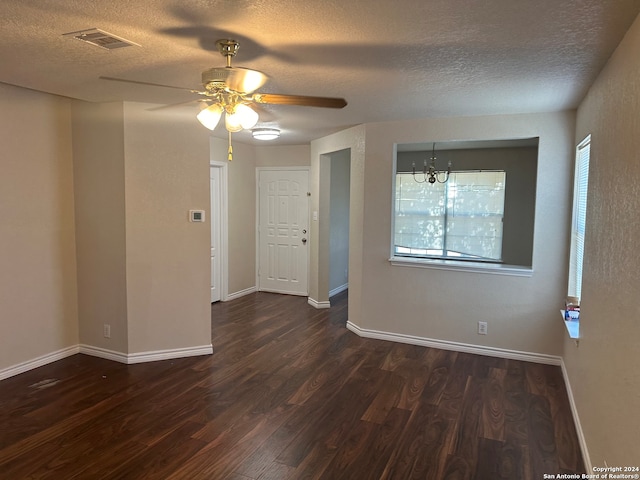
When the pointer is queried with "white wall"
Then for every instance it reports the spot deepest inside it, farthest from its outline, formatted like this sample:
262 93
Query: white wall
602 370
38 294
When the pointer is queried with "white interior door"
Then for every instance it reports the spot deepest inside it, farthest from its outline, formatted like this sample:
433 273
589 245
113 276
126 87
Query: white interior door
283 231
216 277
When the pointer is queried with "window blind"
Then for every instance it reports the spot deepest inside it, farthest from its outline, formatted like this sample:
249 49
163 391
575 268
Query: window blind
579 217
458 219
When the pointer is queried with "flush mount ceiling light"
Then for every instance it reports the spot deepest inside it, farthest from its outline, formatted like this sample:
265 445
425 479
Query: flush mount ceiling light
100 38
265 133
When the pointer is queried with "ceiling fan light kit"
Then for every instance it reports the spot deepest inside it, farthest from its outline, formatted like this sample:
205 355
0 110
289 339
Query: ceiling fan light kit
210 115
240 117
229 90
265 133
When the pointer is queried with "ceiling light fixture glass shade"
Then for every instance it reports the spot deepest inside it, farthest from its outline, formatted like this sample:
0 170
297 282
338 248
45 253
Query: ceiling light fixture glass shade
242 117
210 116
232 123
265 133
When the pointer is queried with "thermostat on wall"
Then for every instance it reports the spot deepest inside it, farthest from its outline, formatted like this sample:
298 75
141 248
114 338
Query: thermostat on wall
196 215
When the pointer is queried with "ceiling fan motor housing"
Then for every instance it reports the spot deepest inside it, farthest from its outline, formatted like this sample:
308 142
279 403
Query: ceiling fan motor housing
215 78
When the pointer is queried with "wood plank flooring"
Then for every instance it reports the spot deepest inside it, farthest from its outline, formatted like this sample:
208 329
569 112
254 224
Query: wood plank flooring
289 393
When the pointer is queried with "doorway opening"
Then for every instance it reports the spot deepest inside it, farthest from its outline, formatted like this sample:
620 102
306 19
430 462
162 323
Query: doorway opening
218 224
339 193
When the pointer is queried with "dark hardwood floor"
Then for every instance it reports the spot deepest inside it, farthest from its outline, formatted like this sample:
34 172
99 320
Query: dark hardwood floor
289 393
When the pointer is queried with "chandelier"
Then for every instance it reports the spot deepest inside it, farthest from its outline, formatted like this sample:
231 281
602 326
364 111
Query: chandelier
429 173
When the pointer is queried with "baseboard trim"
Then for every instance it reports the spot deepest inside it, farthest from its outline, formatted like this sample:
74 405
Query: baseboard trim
338 290
143 357
132 358
317 304
38 362
170 354
104 353
241 293
576 420
456 346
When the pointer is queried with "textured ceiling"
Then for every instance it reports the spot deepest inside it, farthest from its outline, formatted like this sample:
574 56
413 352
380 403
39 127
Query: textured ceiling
389 60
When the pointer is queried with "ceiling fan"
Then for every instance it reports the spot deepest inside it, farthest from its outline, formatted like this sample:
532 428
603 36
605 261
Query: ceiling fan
232 90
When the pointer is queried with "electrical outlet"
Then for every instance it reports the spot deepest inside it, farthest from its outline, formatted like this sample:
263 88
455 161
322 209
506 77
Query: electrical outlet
107 330
482 328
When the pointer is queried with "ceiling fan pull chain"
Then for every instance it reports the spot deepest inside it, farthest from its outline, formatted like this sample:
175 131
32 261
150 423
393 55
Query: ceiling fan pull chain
230 152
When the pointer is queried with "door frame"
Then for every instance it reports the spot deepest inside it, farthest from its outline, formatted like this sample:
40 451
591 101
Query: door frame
224 226
288 169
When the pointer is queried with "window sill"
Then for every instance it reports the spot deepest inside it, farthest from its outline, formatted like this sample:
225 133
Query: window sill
473 267
573 326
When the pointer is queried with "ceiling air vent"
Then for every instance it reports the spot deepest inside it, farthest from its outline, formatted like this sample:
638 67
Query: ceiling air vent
101 39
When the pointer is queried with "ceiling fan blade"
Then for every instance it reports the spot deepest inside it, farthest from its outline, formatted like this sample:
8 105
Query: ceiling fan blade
302 100
148 83
246 80
237 79
174 105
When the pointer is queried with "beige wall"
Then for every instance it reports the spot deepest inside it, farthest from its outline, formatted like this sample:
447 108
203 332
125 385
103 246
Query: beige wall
143 267
522 312
168 266
38 296
353 140
241 228
283 156
602 370
98 152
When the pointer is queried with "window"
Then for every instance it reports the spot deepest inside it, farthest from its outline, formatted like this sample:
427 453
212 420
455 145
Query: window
481 220
578 223
461 219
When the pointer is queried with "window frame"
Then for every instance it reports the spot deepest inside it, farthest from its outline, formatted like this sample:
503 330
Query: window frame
445 219
526 153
